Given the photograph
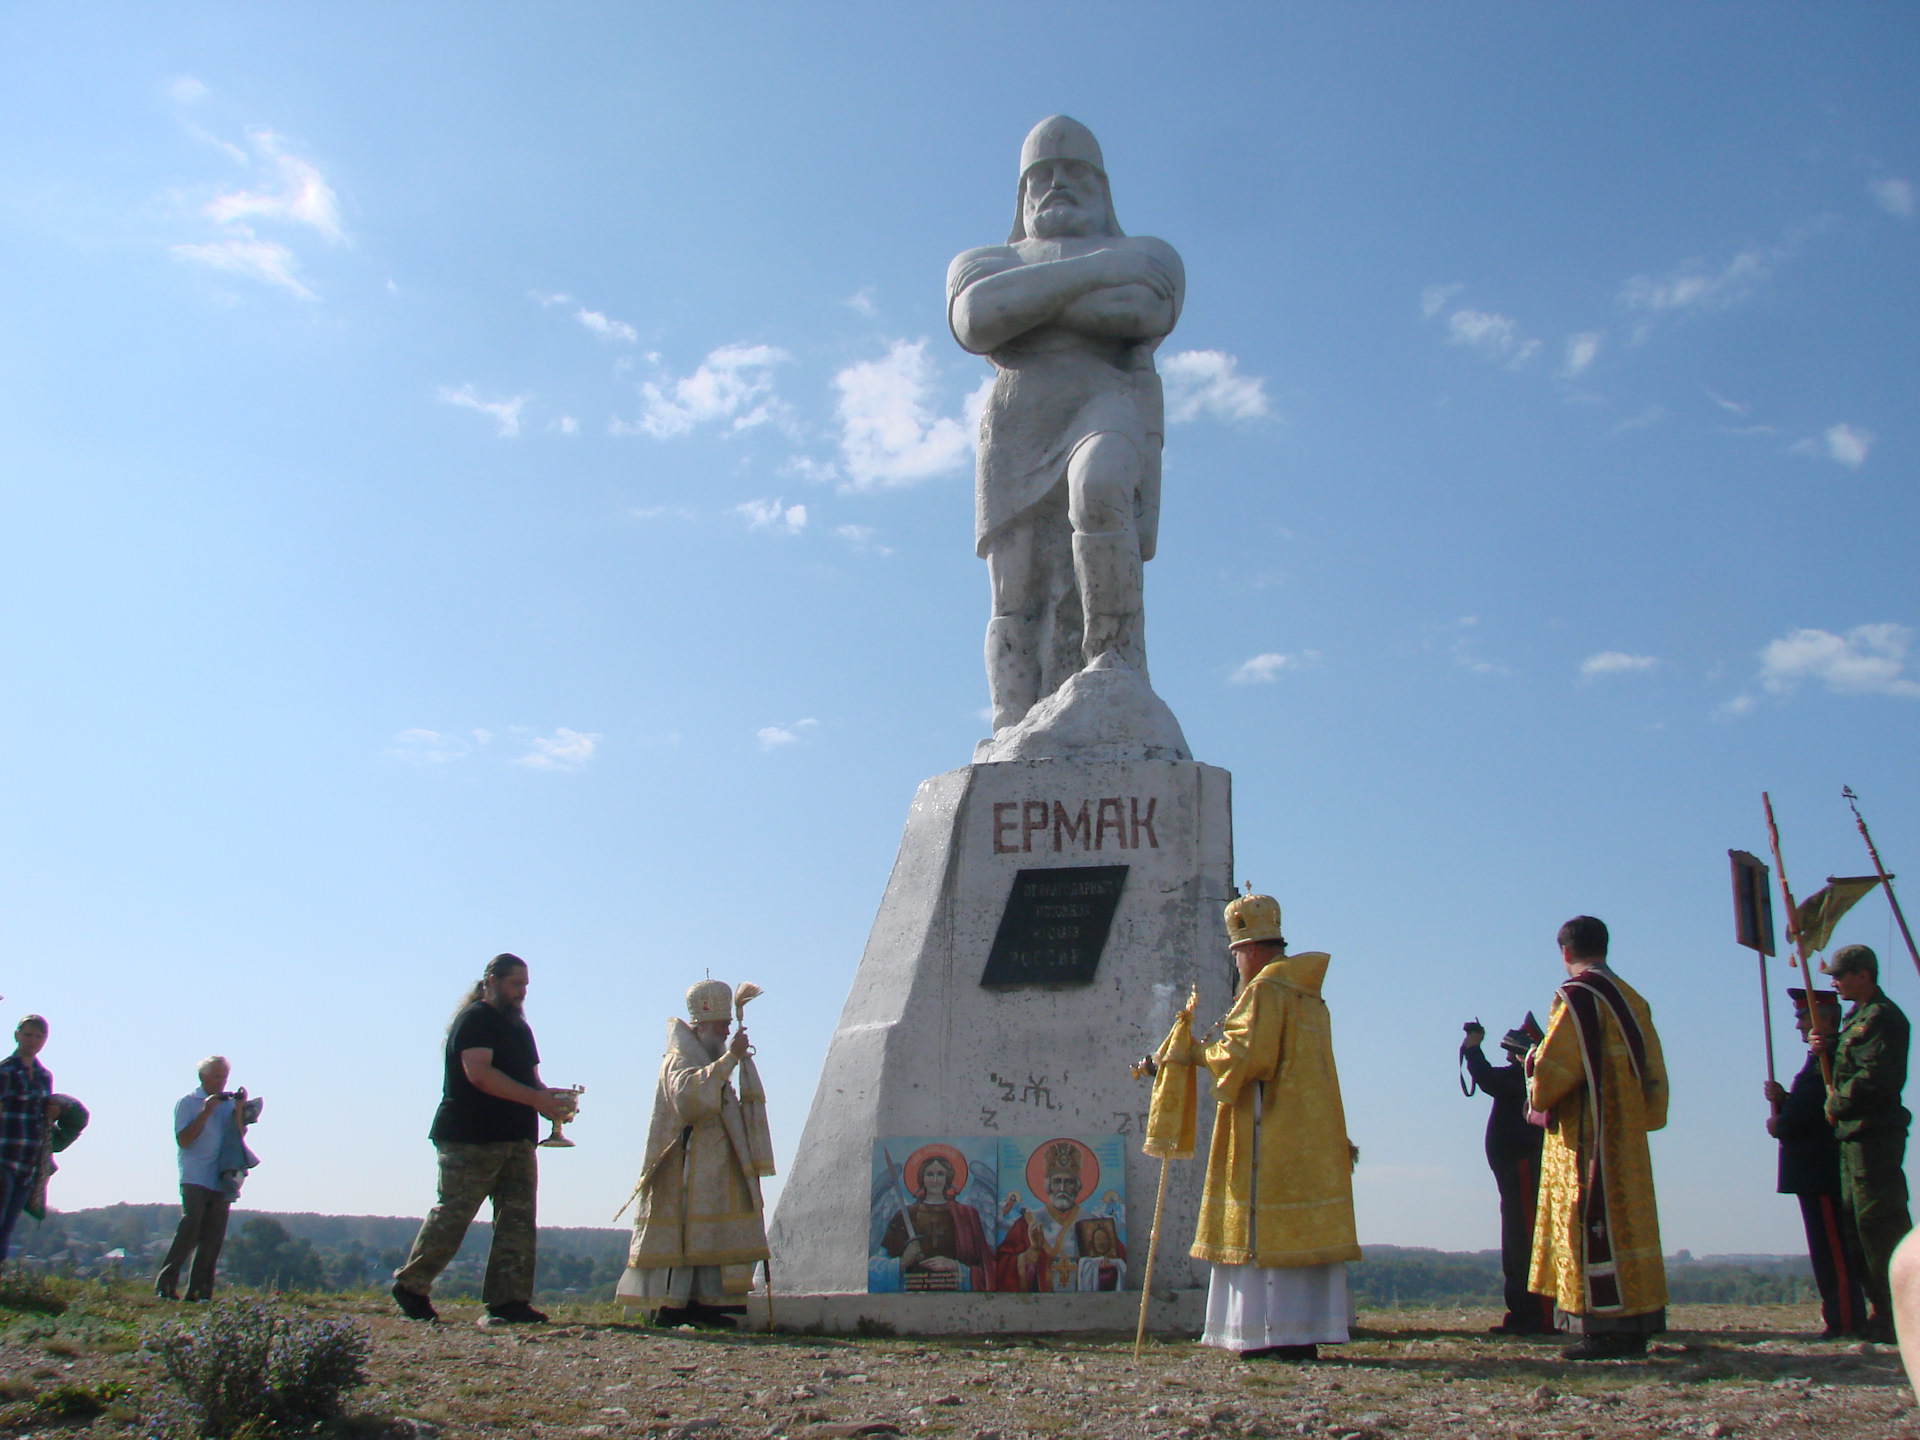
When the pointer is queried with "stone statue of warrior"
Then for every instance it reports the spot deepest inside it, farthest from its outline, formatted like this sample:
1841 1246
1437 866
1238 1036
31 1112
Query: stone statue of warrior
1067 491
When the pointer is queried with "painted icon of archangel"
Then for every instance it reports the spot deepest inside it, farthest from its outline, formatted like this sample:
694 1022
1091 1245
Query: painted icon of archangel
931 1221
1067 1228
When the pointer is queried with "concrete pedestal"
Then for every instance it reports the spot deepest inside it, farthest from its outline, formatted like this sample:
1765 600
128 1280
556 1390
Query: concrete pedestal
923 1049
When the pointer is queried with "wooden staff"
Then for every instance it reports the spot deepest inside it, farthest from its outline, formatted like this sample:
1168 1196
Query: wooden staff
1153 1246
743 992
1886 880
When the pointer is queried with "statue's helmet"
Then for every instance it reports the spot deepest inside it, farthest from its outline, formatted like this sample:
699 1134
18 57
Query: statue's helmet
710 1000
1059 137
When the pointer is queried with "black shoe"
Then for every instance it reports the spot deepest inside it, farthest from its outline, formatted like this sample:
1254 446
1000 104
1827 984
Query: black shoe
669 1317
413 1304
708 1317
160 1294
1606 1347
1283 1352
516 1312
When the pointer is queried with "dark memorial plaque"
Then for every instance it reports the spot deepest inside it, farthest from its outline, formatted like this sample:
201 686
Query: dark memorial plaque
1055 926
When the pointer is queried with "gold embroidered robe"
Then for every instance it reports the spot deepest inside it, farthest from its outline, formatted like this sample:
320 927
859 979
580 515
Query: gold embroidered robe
1634 1273
699 1193
1279 1188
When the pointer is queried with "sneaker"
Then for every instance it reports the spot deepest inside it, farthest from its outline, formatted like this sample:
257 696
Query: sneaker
516 1312
413 1304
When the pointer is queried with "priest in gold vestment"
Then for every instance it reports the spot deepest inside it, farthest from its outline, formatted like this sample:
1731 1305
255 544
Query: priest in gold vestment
1600 1083
700 1227
1276 1216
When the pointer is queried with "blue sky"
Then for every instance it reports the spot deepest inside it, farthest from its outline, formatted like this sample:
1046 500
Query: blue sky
497 477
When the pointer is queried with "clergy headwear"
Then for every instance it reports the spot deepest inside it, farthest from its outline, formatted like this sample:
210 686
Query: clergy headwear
1524 1036
1253 917
710 1000
1826 1007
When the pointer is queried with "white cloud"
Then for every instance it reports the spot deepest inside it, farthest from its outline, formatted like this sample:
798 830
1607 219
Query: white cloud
805 467
1649 416
1205 381
434 747
1265 669
264 260
563 750
889 432
1734 708
773 514
861 302
1732 407
1847 445
1615 662
1581 349
1434 298
1894 196
654 512
302 195
567 425
603 327
1494 336
733 384
186 90
546 300
772 737
1867 660
1695 286
505 413
862 539
1461 646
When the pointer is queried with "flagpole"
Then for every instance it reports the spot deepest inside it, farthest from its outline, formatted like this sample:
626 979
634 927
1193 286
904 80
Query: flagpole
1886 880
1793 934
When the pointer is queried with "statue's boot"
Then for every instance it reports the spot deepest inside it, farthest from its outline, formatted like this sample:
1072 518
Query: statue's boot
1106 568
1013 668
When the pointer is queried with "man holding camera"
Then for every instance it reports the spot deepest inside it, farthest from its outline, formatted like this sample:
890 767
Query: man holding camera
1513 1154
209 1123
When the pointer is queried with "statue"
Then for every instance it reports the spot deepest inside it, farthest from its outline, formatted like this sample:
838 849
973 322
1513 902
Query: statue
1067 489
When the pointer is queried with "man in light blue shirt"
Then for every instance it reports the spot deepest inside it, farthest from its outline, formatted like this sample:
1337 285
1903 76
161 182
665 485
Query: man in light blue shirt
204 1121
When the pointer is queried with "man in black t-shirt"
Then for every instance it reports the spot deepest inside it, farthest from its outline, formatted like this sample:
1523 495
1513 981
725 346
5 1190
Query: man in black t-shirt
484 1132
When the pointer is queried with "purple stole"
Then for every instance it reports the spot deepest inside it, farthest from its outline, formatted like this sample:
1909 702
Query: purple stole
1584 995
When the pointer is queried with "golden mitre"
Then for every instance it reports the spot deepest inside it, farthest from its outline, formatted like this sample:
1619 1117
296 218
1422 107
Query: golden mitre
1253 917
710 1000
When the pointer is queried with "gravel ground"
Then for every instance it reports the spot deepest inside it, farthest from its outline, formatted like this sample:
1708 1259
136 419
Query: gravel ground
1722 1371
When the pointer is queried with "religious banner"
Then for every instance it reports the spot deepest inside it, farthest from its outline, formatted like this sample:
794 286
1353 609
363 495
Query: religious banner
931 1215
1062 1214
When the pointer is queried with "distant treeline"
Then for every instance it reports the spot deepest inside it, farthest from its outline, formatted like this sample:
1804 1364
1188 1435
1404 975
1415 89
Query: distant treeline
353 1252
313 1252
1392 1277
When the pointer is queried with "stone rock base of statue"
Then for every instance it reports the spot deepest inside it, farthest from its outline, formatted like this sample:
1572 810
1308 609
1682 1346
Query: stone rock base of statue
925 1049
1170 1312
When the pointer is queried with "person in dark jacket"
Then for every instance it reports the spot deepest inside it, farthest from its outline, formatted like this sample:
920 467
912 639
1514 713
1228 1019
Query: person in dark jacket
1513 1152
1869 1072
1810 1170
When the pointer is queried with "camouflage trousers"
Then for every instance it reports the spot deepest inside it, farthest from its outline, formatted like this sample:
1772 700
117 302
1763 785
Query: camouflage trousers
1873 1197
504 1172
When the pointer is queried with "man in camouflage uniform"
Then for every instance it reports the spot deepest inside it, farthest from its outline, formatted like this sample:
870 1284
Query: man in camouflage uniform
1869 1072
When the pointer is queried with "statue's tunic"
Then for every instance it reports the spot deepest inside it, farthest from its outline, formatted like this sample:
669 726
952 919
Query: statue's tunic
700 1215
1053 388
1600 1078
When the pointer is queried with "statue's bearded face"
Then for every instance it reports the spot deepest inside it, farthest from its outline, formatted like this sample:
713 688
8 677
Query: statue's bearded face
1064 198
